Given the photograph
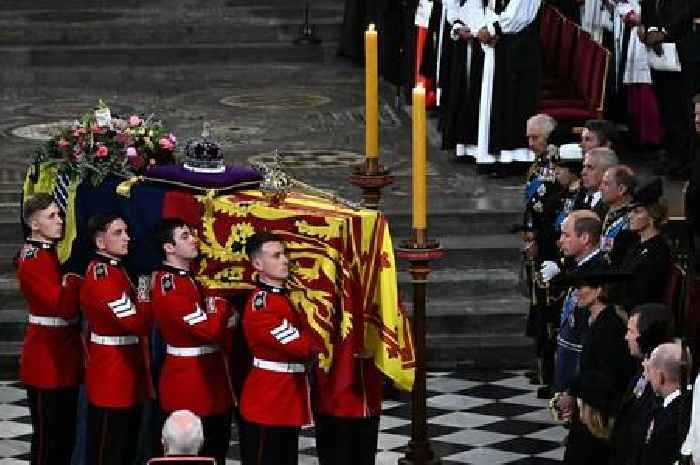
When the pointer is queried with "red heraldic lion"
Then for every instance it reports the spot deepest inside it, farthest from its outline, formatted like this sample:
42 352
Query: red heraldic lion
52 355
194 375
276 391
116 371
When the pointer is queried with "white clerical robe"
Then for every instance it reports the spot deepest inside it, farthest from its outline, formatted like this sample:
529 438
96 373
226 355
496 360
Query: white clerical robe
517 16
637 69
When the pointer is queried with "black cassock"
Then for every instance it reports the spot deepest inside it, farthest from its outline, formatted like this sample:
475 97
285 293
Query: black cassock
394 21
463 84
516 84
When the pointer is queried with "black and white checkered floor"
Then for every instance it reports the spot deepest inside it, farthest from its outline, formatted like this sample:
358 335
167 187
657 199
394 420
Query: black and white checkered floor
477 417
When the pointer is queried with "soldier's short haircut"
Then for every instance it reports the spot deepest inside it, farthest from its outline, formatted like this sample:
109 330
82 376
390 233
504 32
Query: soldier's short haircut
624 176
604 130
35 204
99 223
164 232
255 242
587 222
606 157
546 122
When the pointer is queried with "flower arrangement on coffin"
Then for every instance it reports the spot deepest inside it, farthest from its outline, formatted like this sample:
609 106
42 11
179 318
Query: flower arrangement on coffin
99 145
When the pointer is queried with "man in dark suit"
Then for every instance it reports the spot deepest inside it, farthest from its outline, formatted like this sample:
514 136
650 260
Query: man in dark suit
595 163
649 325
669 424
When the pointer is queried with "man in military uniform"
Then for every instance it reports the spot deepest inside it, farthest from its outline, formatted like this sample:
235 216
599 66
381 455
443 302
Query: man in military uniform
194 375
51 364
275 398
580 240
116 375
616 189
542 198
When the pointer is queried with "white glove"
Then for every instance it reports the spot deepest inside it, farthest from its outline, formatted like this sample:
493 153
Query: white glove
549 270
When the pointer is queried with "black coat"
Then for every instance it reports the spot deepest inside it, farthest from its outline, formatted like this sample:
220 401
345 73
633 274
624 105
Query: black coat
663 444
605 350
631 423
649 263
582 448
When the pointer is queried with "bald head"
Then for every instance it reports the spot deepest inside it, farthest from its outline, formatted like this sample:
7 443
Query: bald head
664 368
182 433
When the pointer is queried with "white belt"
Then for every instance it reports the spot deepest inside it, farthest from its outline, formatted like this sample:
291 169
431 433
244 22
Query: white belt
280 367
190 351
52 321
114 340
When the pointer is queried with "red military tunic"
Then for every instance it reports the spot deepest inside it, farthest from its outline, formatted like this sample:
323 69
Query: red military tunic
52 354
276 391
194 374
359 398
115 375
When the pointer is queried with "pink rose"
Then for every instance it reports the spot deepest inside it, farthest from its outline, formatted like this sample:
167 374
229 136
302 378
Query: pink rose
62 144
134 120
166 144
172 138
101 151
131 152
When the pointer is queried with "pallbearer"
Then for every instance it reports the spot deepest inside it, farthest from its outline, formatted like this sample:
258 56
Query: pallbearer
116 377
194 375
275 399
52 355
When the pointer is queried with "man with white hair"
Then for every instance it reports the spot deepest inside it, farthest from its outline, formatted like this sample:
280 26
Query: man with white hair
182 434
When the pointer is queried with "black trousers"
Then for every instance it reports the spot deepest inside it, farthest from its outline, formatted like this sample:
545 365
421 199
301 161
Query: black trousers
269 445
54 413
112 435
217 435
346 441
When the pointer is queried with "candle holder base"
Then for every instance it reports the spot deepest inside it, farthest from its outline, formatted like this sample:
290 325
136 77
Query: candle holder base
371 179
419 251
414 457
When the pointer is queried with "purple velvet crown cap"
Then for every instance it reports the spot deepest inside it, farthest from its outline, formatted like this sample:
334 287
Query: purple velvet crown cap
231 178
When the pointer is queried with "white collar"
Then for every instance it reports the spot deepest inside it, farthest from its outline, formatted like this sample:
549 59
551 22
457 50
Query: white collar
595 198
671 397
588 257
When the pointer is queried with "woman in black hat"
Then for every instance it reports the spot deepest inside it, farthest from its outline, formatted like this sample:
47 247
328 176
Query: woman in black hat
648 257
603 343
589 436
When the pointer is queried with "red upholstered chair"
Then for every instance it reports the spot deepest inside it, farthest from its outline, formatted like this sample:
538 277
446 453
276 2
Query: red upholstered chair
551 52
672 292
558 82
573 90
567 43
590 87
545 20
181 460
